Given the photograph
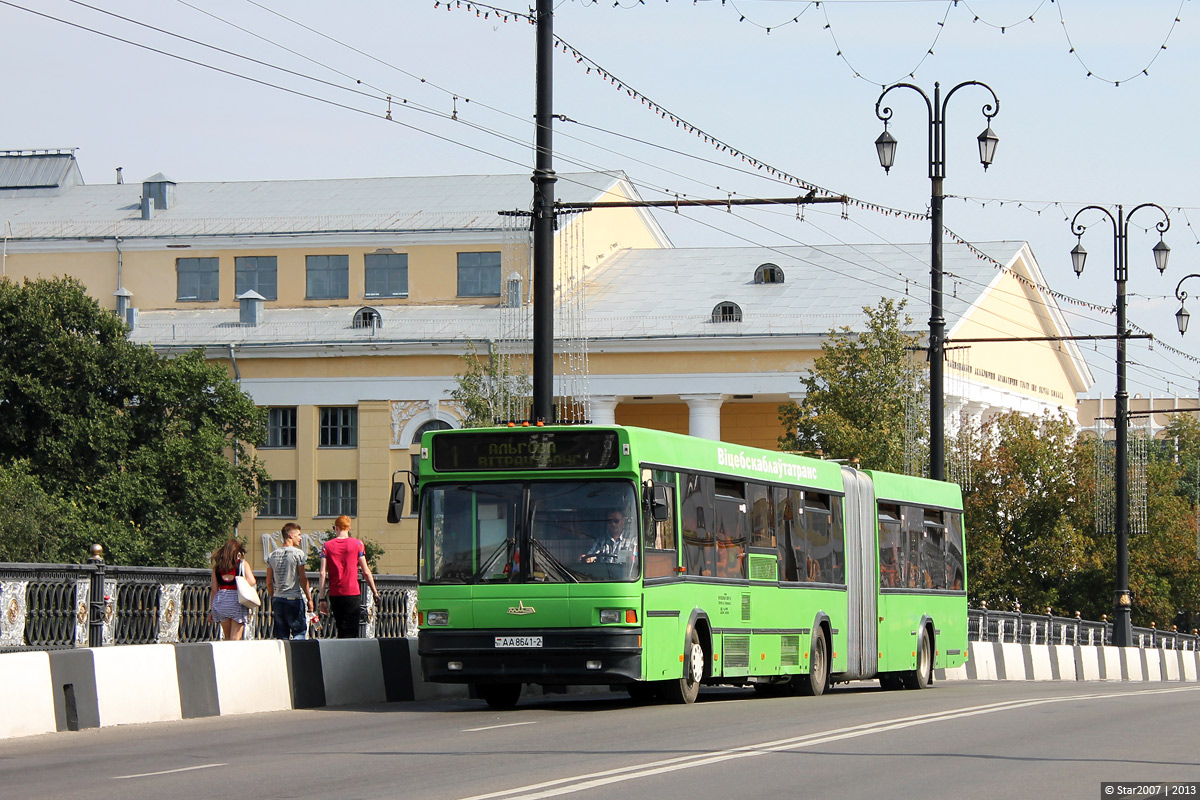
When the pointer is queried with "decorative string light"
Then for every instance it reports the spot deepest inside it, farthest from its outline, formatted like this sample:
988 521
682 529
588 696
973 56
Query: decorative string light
747 17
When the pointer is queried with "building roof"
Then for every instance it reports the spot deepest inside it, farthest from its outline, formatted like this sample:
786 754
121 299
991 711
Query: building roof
240 208
651 293
24 173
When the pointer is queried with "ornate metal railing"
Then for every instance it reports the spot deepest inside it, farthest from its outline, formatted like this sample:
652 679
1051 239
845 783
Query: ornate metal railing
55 606
985 625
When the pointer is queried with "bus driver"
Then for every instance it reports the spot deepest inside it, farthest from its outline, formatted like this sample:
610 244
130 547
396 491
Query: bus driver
606 549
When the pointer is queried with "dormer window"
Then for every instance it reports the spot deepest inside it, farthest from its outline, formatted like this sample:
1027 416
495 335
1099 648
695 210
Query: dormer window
727 312
367 317
768 273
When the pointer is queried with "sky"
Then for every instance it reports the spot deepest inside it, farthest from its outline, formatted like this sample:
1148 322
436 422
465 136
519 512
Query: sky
1096 106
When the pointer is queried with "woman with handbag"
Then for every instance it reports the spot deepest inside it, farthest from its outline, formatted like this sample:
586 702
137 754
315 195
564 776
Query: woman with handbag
229 566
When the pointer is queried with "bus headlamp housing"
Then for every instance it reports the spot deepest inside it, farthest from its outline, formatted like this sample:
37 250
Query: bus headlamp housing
610 616
437 618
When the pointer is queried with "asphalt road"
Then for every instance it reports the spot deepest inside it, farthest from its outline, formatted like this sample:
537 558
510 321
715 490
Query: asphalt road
960 740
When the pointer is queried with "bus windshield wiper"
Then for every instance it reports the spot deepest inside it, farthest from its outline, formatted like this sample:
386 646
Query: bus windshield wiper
504 547
564 572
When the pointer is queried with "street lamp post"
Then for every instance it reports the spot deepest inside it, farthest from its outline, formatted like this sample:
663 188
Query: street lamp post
885 146
1182 316
1122 633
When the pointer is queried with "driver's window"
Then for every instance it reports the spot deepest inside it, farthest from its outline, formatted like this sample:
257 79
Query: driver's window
661 553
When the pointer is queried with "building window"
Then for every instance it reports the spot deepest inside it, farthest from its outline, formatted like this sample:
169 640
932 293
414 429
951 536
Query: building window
367 317
727 312
327 277
387 275
431 425
281 427
768 273
335 498
278 499
339 427
256 273
479 274
197 279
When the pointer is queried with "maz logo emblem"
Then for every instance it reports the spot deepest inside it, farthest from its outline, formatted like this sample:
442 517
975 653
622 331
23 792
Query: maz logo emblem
520 608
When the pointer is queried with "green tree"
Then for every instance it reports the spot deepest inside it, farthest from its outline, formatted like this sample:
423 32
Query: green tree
857 393
487 388
1028 532
143 454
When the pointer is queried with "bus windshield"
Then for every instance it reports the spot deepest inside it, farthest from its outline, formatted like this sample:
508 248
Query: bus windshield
529 532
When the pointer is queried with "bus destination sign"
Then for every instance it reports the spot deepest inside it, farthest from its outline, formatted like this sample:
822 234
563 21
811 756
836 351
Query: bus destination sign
525 450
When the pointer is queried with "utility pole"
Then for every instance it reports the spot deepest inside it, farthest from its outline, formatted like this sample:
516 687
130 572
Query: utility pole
544 221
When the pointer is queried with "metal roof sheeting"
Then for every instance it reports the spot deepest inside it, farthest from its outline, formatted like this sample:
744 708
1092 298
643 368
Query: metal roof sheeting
38 171
459 202
825 288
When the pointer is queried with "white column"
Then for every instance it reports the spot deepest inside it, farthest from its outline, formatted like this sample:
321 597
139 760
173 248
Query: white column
704 417
604 409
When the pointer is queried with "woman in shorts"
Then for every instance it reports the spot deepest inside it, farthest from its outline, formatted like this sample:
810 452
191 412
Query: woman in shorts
224 607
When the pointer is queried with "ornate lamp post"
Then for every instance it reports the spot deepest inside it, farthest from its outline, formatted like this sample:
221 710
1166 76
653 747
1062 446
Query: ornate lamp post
1122 633
885 146
1182 316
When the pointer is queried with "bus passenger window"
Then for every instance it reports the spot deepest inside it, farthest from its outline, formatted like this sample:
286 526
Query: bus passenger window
889 546
818 530
762 515
696 517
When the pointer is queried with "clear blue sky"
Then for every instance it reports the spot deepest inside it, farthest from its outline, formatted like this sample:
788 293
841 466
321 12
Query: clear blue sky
784 97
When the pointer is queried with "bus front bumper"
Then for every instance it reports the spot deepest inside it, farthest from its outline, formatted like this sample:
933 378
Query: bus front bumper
566 656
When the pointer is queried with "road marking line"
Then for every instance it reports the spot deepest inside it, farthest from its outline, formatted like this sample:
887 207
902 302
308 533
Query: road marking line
167 771
562 786
493 727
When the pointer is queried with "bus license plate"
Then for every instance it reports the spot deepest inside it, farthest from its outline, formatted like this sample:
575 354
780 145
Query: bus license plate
518 641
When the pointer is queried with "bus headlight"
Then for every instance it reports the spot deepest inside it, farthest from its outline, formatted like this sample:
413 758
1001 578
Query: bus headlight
437 617
610 616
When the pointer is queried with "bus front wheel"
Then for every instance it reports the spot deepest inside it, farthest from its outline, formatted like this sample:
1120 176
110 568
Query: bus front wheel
500 695
687 688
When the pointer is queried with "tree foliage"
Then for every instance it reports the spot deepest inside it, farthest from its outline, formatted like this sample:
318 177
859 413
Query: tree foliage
1028 516
1031 524
109 442
857 393
487 389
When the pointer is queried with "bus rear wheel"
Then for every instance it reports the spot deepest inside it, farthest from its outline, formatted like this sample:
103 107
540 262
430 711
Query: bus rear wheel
687 688
816 682
922 676
500 695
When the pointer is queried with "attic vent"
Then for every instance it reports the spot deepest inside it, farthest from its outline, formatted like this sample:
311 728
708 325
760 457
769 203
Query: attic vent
727 312
367 317
768 273
250 307
158 193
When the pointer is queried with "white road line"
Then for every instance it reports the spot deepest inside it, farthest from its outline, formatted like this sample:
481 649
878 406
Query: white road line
493 727
167 771
579 783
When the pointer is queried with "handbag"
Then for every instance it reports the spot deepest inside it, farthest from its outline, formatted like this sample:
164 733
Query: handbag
247 594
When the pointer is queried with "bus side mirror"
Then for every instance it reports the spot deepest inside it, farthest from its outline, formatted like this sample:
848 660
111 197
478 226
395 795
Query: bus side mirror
396 498
660 507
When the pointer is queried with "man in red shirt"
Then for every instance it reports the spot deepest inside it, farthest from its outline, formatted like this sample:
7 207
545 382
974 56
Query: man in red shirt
341 559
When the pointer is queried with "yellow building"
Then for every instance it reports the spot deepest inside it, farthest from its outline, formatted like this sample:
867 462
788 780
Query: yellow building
345 306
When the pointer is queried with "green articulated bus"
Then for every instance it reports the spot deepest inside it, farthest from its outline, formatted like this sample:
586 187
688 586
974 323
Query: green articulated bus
610 555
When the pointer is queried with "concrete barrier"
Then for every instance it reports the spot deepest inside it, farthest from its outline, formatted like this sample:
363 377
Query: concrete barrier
69 690
1087 663
29 699
352 671
136 683
251 676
